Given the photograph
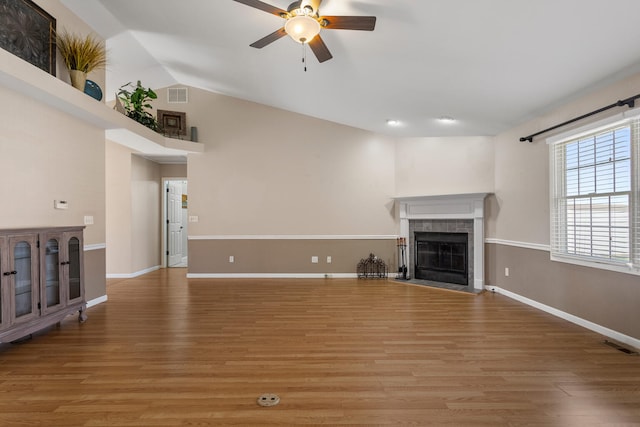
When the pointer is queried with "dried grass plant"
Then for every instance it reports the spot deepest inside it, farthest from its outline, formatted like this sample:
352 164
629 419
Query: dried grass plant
83 53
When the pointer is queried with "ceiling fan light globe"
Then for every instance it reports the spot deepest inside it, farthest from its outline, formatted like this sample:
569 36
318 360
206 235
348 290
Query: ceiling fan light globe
302 28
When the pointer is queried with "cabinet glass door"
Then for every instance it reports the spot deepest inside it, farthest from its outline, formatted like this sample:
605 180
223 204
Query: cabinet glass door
52 273
23 279
74 268
1 284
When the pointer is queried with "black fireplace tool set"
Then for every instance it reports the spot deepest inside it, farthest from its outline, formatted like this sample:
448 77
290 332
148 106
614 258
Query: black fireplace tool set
402 258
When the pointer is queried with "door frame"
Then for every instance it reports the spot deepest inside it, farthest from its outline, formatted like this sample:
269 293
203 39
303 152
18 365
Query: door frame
163 246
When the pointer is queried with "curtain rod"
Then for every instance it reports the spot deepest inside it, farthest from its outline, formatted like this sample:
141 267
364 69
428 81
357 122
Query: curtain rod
629 102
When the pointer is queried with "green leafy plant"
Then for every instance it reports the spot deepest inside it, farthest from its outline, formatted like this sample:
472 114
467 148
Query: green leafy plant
135 100
82 53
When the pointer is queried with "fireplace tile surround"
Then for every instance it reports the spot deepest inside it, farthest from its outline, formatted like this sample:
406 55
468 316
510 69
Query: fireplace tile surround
442 226
460 213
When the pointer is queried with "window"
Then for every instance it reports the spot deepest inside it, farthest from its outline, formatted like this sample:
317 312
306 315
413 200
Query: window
594 195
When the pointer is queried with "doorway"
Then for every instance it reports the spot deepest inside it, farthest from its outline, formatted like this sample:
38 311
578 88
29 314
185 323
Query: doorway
175 232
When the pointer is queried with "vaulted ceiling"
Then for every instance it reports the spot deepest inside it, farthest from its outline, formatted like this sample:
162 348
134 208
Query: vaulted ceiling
490 64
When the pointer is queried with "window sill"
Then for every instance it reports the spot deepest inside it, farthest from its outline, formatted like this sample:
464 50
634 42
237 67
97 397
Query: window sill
619 268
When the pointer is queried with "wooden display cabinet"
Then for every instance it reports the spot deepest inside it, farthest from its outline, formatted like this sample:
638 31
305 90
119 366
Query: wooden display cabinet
41 278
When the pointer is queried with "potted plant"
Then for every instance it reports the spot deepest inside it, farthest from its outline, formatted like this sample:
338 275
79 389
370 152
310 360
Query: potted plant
81 55
135 101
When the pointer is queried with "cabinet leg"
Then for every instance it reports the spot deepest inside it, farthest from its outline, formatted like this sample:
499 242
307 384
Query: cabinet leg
23 339
82 317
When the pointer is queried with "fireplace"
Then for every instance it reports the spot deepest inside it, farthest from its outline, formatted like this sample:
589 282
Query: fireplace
442 257
461 214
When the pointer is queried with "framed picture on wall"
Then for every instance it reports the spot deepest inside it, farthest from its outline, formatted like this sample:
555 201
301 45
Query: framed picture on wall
172 122
28 31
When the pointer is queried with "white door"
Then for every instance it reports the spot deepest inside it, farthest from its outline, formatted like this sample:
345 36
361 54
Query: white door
174 222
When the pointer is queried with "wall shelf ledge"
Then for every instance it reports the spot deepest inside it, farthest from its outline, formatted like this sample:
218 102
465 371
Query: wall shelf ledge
20 76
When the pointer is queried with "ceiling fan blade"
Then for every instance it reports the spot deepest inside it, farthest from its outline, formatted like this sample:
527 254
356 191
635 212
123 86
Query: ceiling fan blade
364 23
263 6
320 50
269 39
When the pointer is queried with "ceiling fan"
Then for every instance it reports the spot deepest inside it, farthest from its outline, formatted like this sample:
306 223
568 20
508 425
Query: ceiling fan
303 23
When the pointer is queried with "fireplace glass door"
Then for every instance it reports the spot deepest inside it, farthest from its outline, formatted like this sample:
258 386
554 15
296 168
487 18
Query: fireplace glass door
442 257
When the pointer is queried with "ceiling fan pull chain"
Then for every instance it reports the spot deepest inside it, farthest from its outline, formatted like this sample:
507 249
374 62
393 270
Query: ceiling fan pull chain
304 56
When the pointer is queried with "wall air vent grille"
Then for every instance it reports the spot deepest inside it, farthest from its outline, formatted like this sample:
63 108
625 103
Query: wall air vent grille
177 95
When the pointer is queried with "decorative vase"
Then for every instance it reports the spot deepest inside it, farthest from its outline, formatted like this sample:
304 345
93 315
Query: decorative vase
78 79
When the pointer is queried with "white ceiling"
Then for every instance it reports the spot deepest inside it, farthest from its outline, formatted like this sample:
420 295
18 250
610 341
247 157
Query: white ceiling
491 64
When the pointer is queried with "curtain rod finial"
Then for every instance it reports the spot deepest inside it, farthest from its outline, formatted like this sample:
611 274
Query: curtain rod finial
528 139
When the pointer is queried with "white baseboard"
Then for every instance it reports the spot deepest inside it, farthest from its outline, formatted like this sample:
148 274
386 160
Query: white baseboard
132 275
97 301
610 333
272 276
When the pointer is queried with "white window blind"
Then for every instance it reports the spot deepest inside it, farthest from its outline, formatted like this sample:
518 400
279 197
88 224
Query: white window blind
594 206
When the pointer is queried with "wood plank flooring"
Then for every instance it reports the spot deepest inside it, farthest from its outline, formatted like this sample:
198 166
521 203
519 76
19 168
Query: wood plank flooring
167 351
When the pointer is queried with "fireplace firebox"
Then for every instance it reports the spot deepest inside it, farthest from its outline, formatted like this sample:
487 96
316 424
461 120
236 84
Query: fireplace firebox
442 257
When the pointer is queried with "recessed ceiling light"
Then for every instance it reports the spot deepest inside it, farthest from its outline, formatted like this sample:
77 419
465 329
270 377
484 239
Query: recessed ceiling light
393 122
446 119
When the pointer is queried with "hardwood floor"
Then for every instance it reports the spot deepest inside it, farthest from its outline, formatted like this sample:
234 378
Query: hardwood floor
167 351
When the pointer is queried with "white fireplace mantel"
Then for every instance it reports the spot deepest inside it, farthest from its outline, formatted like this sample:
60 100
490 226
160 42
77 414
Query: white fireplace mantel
449 206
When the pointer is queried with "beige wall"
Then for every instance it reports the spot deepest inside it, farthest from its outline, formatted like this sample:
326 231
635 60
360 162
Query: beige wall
47 155
173 171
119 208
520 209
133 212
271 172
519 214
437 166
268 171
145 213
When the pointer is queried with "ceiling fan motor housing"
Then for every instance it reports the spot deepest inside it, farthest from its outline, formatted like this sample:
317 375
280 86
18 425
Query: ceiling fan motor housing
297 6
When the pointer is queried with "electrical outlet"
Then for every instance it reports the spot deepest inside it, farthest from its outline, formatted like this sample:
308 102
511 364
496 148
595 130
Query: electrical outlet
506 271
314 260
232 259
329 259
